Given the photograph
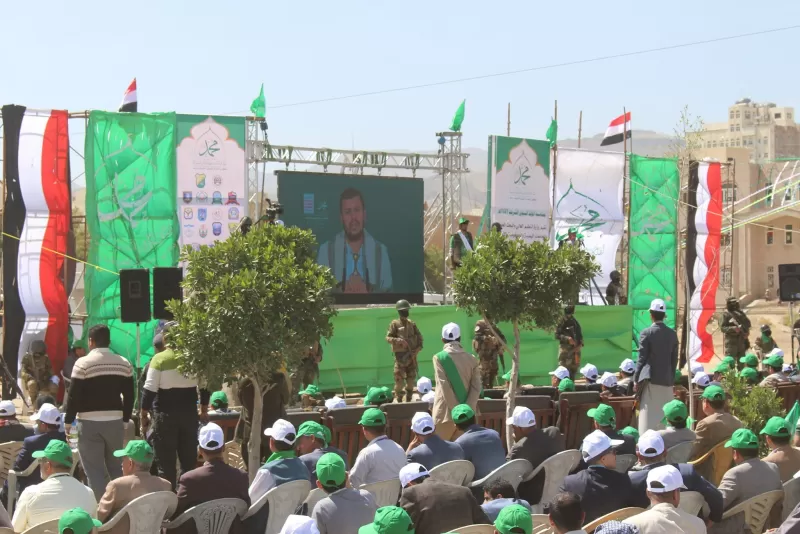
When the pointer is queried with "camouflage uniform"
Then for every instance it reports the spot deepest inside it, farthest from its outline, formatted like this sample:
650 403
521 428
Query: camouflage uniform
764 343
736 329
37 371
307 371
489 349
614 291
405 354
569 355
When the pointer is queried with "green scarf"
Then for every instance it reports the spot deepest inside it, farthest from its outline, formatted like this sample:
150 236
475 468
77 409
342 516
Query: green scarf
453 377
280 455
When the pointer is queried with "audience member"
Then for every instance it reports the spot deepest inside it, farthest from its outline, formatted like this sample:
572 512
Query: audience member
482 446
590 373
608 387
458 380
616 527
751 375
664 485
535 445
773 366
312 443
786 457
605 420
101 398
136 480
283 465
219 403
377 396
701 380
716 427
514 519
389 520
676 417
344 509
10 428
382 459
558 375
601 489
58 493
299 524
274 400
437 507
77 521
720 371
334 403
426 447
424 385
626 371
792 523
630 431
566 514
498 494
567 385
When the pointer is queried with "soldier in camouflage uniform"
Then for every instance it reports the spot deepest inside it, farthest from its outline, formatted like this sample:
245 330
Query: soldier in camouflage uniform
570 338
307 371
37 371
406 342
764 344
736 329
614 291
489 349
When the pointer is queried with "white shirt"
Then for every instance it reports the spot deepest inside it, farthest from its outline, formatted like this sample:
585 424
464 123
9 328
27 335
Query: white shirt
663 518
263 482
48 500
381 460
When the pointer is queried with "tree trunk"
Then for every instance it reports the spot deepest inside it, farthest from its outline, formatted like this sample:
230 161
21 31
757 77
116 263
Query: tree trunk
512 392
254 452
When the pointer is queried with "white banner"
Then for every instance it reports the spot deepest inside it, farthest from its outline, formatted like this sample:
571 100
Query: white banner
588 197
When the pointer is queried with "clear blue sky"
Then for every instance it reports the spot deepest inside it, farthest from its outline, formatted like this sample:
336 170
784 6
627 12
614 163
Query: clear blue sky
211 57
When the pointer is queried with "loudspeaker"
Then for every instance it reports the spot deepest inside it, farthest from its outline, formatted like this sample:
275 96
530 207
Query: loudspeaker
789 282
134 293
166 286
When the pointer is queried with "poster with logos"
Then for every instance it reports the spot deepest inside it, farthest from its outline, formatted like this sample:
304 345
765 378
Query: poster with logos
212 177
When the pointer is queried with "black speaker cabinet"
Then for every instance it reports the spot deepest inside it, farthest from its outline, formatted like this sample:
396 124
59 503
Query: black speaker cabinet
166 286
789 282
134 285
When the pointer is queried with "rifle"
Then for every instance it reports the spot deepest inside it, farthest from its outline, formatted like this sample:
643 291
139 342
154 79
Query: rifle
7 376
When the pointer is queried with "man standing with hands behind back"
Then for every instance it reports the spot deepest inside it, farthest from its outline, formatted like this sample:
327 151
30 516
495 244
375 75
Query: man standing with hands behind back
655 370
458 381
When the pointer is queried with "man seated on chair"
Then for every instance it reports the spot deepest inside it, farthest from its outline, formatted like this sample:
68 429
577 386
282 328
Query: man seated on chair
605 420
212 480
344 509
498 494
716 427
437 507
514 519
566 514
609 388
136 480
58 493
426 447
664 485
382 458
535 445
10 428
773 366
481 446
652 455
77 521
749 478
778 436
312 442
625 378
676 416
283 465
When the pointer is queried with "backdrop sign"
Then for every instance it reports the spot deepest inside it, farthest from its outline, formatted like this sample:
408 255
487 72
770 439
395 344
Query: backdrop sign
369 230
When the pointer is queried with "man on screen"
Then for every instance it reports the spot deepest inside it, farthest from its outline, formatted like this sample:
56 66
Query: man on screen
359 262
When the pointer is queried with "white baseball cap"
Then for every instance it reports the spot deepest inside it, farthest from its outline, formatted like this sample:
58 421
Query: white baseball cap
561 372
451 332
334 403
628 366
609 380
7 408
596 444
775 352
657 305
650 444
701 379
424 385
787 368
696 367
422 423
664 479
522 417
211 437
428 397
299 524
411 472
590 371
282 430
47 414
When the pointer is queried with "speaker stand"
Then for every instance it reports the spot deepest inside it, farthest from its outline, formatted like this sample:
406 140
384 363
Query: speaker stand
791 328
138 347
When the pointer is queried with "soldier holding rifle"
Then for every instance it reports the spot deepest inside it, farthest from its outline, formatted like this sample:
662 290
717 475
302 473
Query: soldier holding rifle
406 342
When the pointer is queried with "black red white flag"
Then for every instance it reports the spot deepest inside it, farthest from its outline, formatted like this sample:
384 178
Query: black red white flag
129 102
618 130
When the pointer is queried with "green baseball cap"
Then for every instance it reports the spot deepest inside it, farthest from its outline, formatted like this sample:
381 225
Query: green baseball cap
566 385
372 417
137 450
678 375
715 393
218 398
604 415
730 360
463 220
723 367
78 521
743 438
512 518
376 395
507 377
774 361
330 470
79 343
56 451
462 413
776 427
675 410
312 428
630 431
749 373
311 389
750 360
391 520
328 435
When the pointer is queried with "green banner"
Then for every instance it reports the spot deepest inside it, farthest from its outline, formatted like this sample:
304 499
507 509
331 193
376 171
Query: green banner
653 239
369 230
130 212
359 356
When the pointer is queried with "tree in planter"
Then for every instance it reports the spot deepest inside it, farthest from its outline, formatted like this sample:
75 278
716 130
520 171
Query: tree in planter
527 285
253 305
752 405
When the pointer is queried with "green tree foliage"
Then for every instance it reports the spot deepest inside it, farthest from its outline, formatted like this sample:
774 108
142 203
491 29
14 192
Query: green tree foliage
753 405
434 265
508 280
253 305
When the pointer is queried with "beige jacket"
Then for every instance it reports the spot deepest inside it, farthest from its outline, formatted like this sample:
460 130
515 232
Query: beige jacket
787 459
664 518
445 399
123 490
712 430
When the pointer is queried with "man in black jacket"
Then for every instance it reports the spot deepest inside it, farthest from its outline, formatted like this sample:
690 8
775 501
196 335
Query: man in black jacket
10 428
535 445
655 369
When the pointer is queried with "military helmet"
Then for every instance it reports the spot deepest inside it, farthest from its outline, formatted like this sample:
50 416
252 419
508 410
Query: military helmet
38 347
615 276
732 300
402 305
766 329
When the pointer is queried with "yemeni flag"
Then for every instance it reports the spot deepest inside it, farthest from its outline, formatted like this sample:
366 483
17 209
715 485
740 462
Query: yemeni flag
129 102
37 212
703 231
618 130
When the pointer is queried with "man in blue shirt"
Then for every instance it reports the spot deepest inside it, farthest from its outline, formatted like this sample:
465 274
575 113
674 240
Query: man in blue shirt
312 443
427 448
498 494
481 446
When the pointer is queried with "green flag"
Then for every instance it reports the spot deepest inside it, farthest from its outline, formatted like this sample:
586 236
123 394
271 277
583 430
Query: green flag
259 105
552 133
793 416
458 118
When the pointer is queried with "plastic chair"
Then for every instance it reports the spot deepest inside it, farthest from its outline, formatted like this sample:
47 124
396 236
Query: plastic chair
313 498
691 502
458 472
386 493
48 527
283 501
145 513
514 472
8 453
791 496
619 515
625 462
680 453
555 469
212 517
756 510
541 524
6 530
233 456
720 458
474 529
13 491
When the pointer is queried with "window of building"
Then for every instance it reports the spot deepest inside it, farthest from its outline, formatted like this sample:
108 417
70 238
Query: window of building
768 194
714 143
725 277
725 240
738 114
731 115
746 114
766 155
789 116
771 280
732 127
728 194
788 239
777 115
708 144
770 235
738 128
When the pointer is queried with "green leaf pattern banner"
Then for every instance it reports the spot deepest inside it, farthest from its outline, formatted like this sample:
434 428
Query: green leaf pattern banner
653 239
131 188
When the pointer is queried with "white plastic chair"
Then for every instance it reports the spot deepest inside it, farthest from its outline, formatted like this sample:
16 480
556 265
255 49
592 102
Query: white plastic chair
13 491
8 453
625 462
145 513
283 501
691 502
680 453
458 472
386 493
233 456
6 530
756 509
311 501
475 529
212 517
555 469
791 496
48 527
514 472
541 524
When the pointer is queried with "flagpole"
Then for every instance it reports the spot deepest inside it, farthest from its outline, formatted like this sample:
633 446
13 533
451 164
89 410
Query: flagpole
508 124
555 168
580 127
624 263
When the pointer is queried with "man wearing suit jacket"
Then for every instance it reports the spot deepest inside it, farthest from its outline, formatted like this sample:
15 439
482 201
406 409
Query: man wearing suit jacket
10 428
718 425
535 445
482 446
213 480
605 420
677 432
787 458
427 448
